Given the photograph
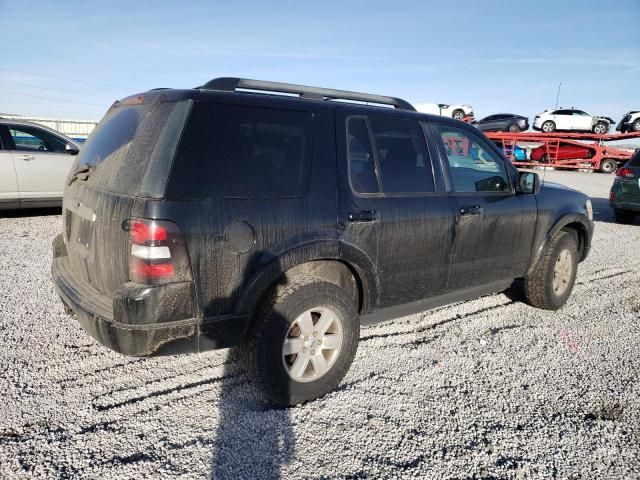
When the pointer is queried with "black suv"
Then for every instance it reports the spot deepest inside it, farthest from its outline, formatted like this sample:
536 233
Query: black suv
279 218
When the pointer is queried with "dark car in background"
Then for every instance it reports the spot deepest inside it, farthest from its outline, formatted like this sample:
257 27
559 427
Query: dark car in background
625 191
503 122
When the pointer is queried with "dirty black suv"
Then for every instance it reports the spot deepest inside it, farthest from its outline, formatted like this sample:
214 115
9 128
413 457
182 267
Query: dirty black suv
278 218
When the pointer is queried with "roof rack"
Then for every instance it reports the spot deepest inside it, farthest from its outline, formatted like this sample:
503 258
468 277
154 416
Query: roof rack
231 84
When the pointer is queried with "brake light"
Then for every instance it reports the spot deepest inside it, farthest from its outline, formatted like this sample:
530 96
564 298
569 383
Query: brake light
624 172
133 100
612 196
158 252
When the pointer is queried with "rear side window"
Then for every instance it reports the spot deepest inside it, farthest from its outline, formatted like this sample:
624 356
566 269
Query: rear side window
389 154
236 151
635 160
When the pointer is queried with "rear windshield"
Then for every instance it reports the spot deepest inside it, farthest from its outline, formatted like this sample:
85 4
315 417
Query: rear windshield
236 151
635 160
122 144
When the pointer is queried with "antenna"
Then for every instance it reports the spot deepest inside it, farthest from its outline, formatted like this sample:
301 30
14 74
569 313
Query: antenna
558 95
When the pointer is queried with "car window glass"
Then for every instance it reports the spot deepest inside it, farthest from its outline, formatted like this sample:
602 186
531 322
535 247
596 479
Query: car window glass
362 169
635 160
475 167
237 151
33 139
401 150
490 118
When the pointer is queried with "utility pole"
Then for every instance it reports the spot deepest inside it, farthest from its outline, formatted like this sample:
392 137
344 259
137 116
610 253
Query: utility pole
558 95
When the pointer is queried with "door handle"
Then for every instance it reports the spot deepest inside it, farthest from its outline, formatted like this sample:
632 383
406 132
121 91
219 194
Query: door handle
471 210
363 216
26 157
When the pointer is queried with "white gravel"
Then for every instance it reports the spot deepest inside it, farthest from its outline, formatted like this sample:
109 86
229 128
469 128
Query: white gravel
490 388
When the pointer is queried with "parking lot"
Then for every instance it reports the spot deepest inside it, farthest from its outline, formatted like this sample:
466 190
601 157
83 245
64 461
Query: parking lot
490 388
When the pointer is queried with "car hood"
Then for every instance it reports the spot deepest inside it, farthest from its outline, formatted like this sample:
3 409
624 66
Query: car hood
546 184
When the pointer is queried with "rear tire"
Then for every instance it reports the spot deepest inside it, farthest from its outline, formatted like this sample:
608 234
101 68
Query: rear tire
600 128
608 166
548 126
544 158
278 324
458 114
624 216
514 127
551 284
636 125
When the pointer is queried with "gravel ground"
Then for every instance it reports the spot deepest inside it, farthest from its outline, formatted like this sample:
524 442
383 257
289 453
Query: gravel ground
489 388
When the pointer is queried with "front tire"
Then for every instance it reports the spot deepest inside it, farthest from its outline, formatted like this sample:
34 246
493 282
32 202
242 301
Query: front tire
608 166
600 128
548 126
624 216
551 284
458 114
304 338
636 126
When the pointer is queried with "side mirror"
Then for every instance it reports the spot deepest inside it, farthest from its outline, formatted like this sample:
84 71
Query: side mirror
528 183
71 149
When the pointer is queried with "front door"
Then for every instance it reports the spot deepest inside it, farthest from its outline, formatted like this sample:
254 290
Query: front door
392 204
494 225
41 162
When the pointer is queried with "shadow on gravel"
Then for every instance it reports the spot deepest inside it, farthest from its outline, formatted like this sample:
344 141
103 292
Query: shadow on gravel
30 212
602 212
253 440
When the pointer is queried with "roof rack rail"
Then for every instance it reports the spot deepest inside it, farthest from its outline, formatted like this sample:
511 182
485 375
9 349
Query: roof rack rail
231 84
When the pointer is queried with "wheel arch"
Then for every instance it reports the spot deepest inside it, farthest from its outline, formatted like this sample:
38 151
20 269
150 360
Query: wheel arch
322 259
578 225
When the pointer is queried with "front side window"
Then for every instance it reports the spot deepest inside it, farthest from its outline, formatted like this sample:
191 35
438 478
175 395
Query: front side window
474 166
33 139
236 151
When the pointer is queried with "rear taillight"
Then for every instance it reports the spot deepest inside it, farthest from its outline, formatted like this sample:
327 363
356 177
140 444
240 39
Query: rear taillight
158 252
612 196
624 172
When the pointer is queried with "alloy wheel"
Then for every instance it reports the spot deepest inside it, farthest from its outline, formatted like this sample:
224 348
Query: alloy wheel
562 272
312 344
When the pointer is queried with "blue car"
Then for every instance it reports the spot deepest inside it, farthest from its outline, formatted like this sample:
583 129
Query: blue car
519 153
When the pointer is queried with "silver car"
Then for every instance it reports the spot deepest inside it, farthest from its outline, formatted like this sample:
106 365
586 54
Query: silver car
34 163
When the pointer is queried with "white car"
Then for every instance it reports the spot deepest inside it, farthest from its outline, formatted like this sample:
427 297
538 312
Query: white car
630 122
570 119
454 111
34 163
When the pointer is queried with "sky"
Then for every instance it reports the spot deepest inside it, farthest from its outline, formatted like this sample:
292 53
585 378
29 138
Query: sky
72 59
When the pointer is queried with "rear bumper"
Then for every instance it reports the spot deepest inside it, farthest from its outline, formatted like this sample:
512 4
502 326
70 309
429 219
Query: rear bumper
138 307
94 312
622 205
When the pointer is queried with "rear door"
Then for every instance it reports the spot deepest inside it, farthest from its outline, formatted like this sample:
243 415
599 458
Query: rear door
41 162
494 226
8 183
392 204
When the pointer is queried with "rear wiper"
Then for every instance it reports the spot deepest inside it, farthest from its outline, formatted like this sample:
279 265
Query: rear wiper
81 173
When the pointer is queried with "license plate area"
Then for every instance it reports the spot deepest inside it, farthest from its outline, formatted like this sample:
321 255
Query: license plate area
84 231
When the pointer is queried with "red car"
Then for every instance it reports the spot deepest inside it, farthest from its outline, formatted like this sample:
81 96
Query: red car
565 152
